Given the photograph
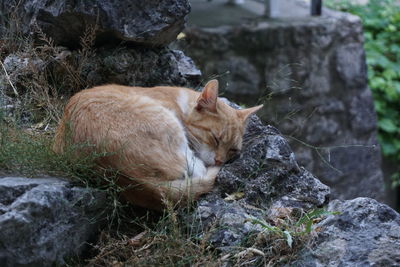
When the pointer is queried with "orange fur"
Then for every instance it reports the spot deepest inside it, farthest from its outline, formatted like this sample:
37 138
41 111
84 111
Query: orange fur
165 141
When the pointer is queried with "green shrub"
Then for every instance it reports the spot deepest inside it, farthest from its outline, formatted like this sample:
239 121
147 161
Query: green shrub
381 20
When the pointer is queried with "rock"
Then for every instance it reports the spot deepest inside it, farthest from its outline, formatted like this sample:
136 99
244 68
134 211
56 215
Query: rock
18 68
267 177
311 75
238 78
125 65
351 66
366 233
186 67
149 22
7 105
20 73
140 67
43 221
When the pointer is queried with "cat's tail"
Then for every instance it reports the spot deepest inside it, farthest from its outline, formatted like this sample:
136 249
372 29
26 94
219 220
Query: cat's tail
156 195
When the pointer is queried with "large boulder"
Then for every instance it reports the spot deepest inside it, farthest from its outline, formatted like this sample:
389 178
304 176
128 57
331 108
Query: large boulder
366 233
43 221
150 22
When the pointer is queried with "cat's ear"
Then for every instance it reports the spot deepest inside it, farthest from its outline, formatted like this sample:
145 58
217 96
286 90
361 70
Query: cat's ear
208 97
245 113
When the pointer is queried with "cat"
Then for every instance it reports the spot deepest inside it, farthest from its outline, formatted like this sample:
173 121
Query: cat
166 142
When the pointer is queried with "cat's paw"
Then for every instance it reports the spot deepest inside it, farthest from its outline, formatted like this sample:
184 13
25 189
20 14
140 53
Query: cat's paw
213 171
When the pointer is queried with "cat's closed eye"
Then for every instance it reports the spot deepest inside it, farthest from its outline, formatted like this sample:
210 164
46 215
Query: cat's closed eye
234 151
216 140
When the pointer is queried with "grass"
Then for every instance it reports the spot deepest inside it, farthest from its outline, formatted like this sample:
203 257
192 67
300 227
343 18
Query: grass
28 152
168 240
283 236
164 241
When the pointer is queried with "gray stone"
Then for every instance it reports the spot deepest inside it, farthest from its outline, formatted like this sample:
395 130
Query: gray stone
351 65
7 105
313 84
43 221
140 67
18 72
19 67
363 118
237 77
186 67
366 233
149 22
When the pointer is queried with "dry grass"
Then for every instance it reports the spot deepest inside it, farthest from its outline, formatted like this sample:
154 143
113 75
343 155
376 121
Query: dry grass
166 241
154 240
284 235
43 75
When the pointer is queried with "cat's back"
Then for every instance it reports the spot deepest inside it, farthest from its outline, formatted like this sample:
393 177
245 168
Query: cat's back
119 111
106 93
115 96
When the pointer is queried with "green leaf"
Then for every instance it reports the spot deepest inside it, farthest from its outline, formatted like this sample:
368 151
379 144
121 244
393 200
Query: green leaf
288 237
266 226
313 214
388 126
387 148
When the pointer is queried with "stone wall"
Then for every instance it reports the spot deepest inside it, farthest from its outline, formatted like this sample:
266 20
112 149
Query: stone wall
311 75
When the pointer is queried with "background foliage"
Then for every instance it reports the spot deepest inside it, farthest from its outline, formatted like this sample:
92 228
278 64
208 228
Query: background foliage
381 20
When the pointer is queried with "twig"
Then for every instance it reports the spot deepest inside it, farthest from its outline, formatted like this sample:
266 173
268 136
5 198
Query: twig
9 79
318 150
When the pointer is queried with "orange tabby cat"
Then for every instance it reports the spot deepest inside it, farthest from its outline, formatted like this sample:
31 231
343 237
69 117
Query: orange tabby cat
165 141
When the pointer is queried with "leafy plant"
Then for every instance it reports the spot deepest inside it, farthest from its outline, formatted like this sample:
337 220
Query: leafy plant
381 20
290 230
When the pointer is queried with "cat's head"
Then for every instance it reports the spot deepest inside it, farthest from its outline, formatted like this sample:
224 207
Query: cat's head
215 129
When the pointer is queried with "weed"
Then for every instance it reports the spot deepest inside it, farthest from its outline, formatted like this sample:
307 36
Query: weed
29 152
41 77
281 239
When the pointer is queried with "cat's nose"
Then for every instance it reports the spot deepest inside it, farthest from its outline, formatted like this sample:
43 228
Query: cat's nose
218 162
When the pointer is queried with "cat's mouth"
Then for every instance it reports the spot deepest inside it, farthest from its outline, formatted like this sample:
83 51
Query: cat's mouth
219 163
210 165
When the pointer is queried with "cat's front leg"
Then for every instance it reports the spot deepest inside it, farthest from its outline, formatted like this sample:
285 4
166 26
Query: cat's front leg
195 167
